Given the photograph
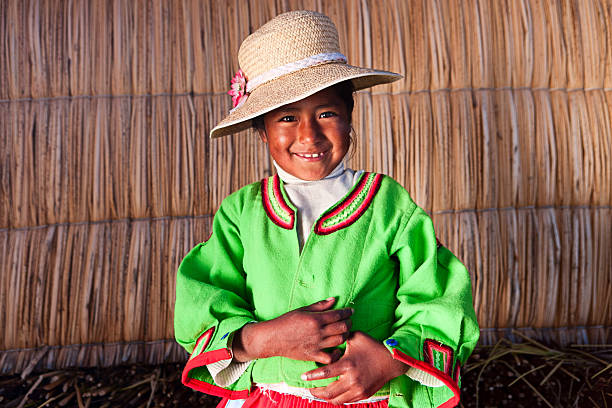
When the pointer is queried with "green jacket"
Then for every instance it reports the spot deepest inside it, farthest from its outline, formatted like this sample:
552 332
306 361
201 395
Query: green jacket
375 251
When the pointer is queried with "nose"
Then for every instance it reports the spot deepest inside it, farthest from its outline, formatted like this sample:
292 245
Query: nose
309 131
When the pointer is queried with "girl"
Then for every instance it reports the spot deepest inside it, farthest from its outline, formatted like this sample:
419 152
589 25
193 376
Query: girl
319 285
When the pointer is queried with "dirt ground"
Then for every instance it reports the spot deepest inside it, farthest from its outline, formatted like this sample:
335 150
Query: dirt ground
507 375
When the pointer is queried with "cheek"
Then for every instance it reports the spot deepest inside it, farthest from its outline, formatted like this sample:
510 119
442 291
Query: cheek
280 142
279 145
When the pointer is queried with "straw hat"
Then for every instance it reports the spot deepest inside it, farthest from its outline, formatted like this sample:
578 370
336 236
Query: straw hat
291 57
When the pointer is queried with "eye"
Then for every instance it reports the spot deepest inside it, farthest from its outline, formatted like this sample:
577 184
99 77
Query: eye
328 114
287 118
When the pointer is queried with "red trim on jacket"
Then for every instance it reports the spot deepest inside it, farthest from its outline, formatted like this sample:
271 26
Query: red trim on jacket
430 345
279 199
279 195
206 358
215 390
445 378
204 337
320 230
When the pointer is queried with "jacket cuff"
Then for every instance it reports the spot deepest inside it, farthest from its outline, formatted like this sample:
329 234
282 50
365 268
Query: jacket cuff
225 372
432 364
424 377
212 349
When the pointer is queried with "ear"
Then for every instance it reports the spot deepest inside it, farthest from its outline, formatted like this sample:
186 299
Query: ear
262 135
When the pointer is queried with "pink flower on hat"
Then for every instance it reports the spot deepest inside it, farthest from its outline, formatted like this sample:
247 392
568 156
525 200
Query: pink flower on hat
238 91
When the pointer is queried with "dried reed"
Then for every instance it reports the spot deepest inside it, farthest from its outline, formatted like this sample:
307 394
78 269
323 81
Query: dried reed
500 130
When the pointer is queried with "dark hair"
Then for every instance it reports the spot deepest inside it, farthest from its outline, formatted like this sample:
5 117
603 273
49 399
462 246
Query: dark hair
344 90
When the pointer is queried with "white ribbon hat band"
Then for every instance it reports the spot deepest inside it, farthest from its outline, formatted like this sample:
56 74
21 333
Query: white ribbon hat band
292 67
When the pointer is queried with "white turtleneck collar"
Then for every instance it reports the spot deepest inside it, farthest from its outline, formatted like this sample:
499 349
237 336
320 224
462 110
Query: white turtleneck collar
311 198
291 179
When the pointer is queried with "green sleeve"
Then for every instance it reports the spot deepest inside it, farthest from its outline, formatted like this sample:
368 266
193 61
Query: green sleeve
211 300
435 329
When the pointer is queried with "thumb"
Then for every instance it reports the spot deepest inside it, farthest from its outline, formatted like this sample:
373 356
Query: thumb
320 306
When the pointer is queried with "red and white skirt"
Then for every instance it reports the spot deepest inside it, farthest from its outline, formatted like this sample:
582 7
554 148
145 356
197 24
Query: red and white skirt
271 399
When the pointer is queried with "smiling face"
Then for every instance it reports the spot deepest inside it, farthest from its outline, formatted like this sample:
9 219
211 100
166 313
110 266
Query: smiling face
310 137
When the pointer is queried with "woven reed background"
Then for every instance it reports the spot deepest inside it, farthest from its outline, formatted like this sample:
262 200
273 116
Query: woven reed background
501 130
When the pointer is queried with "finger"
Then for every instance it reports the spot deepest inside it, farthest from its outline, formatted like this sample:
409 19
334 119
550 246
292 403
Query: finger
324 357
333 341
328 371
327 357
340 392
330 392
320 306
345 398
341 327
332 316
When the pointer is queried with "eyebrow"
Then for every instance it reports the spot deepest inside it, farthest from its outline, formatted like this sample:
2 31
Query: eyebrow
287 109
328 105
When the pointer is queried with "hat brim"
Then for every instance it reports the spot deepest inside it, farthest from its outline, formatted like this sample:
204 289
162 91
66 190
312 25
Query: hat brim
294 87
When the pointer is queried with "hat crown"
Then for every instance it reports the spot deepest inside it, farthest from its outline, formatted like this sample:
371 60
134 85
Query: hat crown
285 39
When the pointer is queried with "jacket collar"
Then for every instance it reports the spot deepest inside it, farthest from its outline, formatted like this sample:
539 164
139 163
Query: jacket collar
342 214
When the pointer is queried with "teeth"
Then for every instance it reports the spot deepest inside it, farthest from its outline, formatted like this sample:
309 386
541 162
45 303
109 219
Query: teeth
313 155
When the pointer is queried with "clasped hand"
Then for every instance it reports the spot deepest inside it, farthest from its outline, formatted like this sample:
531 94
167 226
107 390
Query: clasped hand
305 333
302 334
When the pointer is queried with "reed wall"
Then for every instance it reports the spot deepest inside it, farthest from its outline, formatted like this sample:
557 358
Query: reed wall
500 129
